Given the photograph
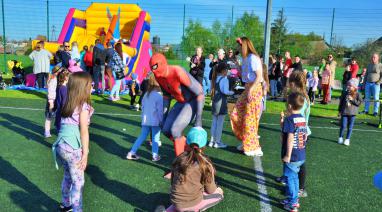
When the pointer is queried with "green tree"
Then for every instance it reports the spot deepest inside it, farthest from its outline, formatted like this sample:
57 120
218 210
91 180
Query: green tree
363 51
197 35
279 31
250 26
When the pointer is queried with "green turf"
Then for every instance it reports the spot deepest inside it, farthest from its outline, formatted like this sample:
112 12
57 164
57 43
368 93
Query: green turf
339 177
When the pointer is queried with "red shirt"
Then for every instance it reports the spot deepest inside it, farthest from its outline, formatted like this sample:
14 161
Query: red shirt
354 70
288 64
88 59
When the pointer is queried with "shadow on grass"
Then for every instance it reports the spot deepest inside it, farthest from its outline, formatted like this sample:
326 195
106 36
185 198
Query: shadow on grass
138 199
39 94
18 125
32 198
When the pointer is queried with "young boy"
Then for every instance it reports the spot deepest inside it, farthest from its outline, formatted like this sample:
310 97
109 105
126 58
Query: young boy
294 135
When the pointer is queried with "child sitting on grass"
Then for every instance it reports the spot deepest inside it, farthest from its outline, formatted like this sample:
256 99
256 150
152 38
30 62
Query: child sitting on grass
348 109
152 116
193 185
294 135
51 97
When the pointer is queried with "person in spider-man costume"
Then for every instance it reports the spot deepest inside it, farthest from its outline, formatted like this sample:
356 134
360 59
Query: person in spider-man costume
178 84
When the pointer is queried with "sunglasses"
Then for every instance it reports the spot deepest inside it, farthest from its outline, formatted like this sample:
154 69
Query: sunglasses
154 67
67 46
230 52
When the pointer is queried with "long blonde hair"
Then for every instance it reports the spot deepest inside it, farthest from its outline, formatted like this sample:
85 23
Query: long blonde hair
298 80
152 84
247 47
79 90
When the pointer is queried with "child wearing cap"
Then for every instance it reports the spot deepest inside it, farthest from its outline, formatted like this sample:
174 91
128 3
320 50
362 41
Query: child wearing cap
193 186
219 92
349 103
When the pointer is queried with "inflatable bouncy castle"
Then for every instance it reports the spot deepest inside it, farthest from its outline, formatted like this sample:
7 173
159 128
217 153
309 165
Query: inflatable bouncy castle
107 22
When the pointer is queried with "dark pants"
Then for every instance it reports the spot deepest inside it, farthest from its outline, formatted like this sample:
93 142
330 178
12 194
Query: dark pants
312 95
132 100
302 176
347 122
326 90
41 79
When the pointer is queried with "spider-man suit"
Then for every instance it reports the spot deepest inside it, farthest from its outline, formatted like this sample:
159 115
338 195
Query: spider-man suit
178 84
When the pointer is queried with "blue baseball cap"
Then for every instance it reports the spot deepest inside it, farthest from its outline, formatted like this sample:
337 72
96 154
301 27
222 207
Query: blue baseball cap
198 136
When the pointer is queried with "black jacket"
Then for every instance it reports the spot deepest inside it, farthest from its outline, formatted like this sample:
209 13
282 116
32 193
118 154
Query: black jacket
198 70
297 66
212 66
99 55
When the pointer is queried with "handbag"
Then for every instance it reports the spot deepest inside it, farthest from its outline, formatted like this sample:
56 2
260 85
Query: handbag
119 75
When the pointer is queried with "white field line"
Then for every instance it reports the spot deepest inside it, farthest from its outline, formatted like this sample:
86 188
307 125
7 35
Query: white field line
208 120
262 189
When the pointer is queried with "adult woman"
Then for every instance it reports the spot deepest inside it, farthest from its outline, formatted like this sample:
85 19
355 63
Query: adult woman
245 116
197 65
118 67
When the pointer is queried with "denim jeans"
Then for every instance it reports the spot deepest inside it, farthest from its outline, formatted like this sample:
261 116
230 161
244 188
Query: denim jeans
145 131
116 87
273 88
206 85
97 71
291 172
372 89
347 122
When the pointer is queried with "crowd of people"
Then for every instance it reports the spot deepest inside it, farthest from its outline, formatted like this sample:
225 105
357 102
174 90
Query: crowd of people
240 77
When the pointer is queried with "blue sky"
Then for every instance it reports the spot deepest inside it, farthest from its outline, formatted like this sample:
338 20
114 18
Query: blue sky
355 21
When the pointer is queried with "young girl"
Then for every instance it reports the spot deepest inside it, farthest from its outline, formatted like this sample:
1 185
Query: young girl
219 92
349 103
152 115
51 97
313 83
61 95
72 145
325 84
88 60
193 185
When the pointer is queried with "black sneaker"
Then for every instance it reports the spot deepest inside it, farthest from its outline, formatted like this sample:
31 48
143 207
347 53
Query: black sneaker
281 180
65 209
375 114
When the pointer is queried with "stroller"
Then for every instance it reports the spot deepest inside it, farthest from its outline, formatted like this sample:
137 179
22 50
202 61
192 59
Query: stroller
235 83
18 72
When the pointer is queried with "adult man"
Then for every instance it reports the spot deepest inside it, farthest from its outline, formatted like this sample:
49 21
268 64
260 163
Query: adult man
99 66
207 70
373 82
178 84
41 63
109 51
197 65
64 56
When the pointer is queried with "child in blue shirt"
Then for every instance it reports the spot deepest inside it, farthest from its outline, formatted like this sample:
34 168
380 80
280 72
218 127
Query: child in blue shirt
294 135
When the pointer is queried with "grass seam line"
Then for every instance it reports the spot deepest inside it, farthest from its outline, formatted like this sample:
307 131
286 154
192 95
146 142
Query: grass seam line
138 115
262 189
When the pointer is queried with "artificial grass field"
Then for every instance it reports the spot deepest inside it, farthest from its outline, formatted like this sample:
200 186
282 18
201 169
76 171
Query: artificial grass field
339 178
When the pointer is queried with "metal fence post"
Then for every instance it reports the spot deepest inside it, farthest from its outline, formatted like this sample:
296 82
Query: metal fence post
331 30
184 26
4 41
267 32
47 20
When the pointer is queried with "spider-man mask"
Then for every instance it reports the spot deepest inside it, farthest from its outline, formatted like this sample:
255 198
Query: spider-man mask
158 65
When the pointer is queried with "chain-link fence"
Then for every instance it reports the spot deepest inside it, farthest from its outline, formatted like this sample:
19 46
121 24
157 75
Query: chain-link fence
28 20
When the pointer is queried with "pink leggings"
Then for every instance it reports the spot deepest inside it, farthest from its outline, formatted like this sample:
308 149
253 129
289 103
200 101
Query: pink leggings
209 200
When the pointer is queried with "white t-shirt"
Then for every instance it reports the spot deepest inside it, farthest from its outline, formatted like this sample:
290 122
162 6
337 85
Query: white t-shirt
41 60
250 65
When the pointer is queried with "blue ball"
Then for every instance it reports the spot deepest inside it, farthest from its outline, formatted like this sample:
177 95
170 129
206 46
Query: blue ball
197 135
378 180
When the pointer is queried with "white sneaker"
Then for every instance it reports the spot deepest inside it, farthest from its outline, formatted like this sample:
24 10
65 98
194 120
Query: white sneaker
240 147
132 156
156 158
254 153
347 142
340 140
159 143
220 145
211 144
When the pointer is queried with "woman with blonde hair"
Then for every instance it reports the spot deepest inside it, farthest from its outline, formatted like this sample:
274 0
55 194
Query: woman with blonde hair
246 113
